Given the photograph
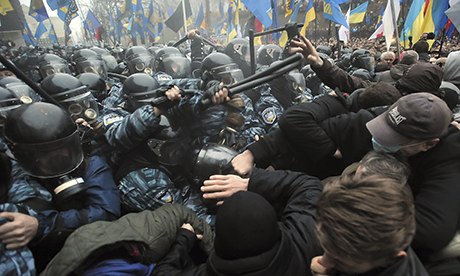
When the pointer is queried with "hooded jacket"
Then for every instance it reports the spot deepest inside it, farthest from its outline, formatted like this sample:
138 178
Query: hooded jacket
156 229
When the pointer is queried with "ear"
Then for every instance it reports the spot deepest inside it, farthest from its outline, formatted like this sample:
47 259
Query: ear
430 144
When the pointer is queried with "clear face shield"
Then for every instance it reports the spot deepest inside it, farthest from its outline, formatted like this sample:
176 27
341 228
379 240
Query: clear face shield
228 74
177 67
54 160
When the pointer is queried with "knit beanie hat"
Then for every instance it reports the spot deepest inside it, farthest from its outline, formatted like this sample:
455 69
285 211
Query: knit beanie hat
246 225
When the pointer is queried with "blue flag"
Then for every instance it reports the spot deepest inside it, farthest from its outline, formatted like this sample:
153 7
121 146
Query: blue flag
27 35
333 13
52 35
199 17
138 20
261 9
275 36
56 4
41 29
37 10
92 22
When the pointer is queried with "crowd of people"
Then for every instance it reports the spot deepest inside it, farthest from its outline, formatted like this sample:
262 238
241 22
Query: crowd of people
182 159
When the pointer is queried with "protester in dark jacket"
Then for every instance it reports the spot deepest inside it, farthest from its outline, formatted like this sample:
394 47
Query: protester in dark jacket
250 239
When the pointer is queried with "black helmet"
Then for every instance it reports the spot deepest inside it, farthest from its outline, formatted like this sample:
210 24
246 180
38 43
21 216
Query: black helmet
138 60
23 92
96 85
135 50
73 95
7 80
84 54
267 54
362 58
220 67
88 61
100 51
362 74
171 61
140 89
8 102
238 50
212 159
324 49
52 154
109 60
50 64
45 154
345 61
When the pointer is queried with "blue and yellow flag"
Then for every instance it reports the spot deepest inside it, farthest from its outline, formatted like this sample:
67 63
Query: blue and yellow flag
310 15
262 10
37 10
138 20
289 7
358 13
56 4
284 36
41 29
333 13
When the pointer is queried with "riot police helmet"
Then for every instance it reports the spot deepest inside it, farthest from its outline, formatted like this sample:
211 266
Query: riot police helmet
49 64
140 89
96 85
44 154
238 50
75 97
220 67
267 54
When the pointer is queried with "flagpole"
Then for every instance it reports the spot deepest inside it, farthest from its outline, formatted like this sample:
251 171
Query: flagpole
393 15
184 15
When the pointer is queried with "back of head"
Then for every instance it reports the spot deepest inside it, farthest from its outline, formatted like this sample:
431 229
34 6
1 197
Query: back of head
421 47
378 94
409 57
421 77
347 224
246 226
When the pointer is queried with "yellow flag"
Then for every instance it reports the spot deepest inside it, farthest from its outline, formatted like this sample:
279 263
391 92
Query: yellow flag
5 6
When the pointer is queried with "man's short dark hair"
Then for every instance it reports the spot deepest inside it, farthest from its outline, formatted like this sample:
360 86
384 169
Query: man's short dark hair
421 46
368 219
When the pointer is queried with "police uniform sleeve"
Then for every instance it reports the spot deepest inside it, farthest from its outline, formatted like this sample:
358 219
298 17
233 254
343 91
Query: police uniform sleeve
25 189
102 202
125 133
